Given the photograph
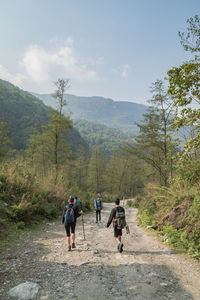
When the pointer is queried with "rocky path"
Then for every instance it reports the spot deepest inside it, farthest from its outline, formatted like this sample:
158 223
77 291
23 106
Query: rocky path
146 270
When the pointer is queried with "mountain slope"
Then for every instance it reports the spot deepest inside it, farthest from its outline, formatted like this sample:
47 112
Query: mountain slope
21 111
109 139
117 114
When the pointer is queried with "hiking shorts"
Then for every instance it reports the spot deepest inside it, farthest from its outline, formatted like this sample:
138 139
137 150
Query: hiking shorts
70 228
117 232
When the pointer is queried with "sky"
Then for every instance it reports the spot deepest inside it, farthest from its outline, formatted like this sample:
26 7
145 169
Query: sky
110 48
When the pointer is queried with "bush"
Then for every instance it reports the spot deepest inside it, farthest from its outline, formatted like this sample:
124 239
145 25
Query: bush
144 218
173 235
20 225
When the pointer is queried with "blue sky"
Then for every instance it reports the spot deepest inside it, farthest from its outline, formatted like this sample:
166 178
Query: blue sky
110 48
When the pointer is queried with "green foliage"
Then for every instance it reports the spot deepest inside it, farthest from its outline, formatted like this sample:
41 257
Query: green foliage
20 112
175 211
188 170
155 144
96 134
190 39
96 170
5 142
136 201
173 235
144 218
20 225
196 205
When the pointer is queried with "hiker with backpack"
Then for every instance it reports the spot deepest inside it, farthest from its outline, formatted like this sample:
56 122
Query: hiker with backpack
70 214
98 206
117 215
77 202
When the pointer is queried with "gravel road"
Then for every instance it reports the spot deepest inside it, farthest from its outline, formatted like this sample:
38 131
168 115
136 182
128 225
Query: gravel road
146 270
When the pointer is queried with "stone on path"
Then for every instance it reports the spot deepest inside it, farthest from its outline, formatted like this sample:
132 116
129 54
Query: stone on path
25 291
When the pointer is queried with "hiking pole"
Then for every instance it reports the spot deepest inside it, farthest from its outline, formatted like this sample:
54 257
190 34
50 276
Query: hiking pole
83 228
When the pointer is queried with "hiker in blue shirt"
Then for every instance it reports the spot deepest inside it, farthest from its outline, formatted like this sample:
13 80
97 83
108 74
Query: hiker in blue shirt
70 214
77 202
98 206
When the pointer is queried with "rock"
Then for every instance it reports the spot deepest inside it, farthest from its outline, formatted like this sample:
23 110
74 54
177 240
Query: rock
164 284
25 291
44 297
153 275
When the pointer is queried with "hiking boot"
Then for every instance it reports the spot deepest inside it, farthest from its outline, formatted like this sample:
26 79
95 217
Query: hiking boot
118 246
121 248
73 245
69 248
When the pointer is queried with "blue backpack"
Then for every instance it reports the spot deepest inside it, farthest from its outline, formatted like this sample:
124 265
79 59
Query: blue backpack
69 215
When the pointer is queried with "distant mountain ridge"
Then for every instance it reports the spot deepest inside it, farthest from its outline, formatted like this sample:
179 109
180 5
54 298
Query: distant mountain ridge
117 114
22 111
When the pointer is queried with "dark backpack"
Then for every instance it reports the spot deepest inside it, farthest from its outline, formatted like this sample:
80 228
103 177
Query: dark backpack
99 204
120 217
69 215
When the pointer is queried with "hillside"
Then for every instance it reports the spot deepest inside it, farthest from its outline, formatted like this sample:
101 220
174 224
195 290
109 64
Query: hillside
21 111
95 133
117 114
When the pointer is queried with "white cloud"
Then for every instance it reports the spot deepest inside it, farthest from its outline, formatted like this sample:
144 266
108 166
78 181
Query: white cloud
123 70
41 65
16 79
100 60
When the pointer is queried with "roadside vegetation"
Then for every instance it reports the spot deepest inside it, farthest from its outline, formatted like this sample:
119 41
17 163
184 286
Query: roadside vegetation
173 206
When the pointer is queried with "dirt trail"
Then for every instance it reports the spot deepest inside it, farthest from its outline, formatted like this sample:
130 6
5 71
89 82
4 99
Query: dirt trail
146 270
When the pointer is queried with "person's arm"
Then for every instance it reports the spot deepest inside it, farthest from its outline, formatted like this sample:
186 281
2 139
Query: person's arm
95 203
63 215
76 212
112 215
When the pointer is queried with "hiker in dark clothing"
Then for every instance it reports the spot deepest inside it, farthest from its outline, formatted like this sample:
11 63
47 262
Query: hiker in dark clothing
117 215
70 214
98 206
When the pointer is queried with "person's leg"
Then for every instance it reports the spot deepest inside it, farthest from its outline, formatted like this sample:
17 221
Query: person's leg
99 215
73 225
68 242
118 235
121 245
96 216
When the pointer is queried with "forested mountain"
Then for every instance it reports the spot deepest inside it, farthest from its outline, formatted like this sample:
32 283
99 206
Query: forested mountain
21 111
117 114
109 139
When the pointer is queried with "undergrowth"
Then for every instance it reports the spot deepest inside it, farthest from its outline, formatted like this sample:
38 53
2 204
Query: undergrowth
175 213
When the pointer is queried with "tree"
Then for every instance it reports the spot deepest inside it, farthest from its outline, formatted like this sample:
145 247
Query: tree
96 171
190 39
184 86
62 85
49 144
155 143
4 140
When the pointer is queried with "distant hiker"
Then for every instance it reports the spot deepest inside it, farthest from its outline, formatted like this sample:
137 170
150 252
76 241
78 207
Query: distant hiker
70 214
117 215
77 202
98 206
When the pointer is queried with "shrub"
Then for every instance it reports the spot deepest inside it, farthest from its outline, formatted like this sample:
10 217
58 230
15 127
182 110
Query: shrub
20 225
